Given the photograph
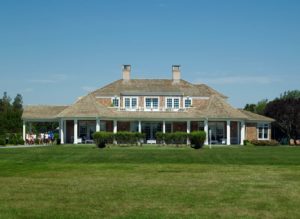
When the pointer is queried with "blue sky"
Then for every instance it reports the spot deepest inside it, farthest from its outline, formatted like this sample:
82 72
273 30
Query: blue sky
55 51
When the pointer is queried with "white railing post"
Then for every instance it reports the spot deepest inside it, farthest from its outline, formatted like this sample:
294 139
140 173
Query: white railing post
61 131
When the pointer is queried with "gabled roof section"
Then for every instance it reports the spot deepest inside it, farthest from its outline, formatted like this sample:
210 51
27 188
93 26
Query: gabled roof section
218 108
256 117
87 106
42 112
159 86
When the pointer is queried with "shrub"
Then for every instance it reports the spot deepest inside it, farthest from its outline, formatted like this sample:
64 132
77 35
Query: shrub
2 141
129 137
102 138
160 137
21 141
172 138
264 142
197 139
179 137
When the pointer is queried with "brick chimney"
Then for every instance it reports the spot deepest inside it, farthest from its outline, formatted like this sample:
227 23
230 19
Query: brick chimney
176 73
126 72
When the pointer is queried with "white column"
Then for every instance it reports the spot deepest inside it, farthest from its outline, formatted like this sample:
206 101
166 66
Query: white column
164 127
228 133
75 131
188 130
140 127
24 131
206 131
65 131
98 125
242 132
115 130
61 131
115 126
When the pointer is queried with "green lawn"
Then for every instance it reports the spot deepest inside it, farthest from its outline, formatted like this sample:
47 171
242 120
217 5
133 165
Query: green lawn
150 182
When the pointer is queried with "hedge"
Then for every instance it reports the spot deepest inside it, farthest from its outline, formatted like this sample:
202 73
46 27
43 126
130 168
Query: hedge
197 138
264 142
103 138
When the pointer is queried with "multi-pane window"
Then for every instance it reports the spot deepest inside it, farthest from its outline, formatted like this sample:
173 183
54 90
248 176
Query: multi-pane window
187 103
173 102
151 102
148 103
127 102
176 103
133 102
115 102
169 102
130 102
263 131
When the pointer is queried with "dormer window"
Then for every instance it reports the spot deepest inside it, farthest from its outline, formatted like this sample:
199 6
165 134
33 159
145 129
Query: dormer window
187 102
172 102
115 101
151 103
130 102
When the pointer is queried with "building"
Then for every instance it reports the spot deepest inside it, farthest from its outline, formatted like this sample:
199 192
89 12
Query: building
149 106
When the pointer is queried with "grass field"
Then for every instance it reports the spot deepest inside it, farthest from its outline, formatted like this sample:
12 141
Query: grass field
150 182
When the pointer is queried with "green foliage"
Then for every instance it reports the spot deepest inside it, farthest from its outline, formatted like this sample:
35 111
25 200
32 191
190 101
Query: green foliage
10 114
264 142
172 138
286 112
56 136
102 138
2 141
293 94
197 139
258 108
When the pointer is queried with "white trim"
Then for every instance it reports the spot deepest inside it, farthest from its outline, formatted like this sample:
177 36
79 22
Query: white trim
151 107
199 98
263 130
228 135
24 131
172 97
130 103
75 131
243 127
206 131
112 103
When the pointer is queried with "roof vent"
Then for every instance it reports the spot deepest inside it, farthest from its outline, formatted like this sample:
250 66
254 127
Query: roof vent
176 73
126 72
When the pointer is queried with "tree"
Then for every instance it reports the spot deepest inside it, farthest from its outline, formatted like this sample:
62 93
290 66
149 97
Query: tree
286 112
293 94
257 108
18 102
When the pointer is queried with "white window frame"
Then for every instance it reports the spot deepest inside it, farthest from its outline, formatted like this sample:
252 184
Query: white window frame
130 103
151 107
112 101
173 108
262 125
187 98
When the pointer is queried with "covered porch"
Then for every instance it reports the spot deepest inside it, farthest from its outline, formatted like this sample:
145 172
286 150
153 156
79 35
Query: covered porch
80 130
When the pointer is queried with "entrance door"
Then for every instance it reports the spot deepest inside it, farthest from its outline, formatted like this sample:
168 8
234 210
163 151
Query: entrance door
150 129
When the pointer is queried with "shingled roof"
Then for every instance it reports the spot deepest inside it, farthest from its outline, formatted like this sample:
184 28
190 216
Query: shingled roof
256 117
160 86
215 107
42 112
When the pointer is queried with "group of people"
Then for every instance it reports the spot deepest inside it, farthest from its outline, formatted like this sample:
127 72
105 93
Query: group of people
42 138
